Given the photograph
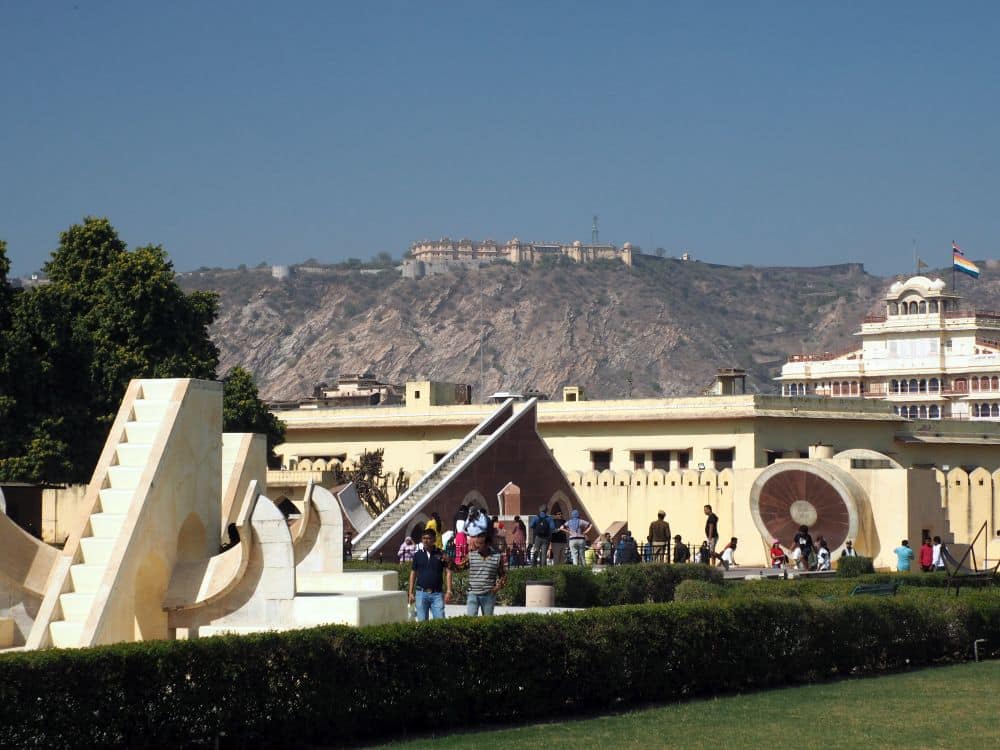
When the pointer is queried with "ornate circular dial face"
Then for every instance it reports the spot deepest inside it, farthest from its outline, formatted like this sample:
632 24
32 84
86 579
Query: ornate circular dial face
794 497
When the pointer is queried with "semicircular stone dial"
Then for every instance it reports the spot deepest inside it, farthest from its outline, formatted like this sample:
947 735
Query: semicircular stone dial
794 497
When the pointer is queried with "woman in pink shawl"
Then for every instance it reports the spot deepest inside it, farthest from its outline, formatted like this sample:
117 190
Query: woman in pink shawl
461 542
518 536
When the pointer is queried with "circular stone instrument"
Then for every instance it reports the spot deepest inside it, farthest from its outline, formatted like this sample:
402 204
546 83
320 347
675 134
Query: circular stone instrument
790 494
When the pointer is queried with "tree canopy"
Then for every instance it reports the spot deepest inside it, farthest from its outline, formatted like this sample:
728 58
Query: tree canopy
243 411
68 349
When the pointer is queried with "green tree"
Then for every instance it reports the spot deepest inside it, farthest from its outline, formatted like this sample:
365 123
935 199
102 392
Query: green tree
70 349
243 411
6 292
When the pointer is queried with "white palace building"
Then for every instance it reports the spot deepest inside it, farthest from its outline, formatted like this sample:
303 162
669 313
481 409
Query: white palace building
926 355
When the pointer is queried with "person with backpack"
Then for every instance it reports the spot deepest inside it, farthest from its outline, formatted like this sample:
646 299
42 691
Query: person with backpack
541 533
805 542
559 541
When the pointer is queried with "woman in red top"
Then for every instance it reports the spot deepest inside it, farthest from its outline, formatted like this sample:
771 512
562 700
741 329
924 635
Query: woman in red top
778 558
926 556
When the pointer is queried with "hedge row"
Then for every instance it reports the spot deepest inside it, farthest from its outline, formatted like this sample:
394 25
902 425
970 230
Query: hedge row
577 586
336 685
808 587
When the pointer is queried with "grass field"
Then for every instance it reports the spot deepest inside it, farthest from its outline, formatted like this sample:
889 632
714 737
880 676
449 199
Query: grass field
948 707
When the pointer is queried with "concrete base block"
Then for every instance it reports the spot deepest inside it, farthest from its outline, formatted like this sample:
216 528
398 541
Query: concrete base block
355 608
329 583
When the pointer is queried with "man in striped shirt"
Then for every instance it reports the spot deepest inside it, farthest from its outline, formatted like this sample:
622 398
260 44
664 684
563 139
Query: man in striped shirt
487 575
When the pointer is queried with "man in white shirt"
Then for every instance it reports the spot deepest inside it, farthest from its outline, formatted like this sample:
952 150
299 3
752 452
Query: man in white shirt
937 560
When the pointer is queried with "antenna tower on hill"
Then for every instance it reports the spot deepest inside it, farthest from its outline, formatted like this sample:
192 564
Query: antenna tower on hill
593 232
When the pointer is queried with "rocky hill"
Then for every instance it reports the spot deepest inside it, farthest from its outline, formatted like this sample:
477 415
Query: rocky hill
660 328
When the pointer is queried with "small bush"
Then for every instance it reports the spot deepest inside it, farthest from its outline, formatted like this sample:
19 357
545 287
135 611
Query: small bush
697 591
852 567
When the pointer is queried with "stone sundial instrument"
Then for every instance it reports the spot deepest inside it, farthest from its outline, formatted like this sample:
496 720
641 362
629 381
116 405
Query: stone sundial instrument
790 494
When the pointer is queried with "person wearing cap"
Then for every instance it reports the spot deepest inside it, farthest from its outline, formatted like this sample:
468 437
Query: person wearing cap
681 552
487 572
577 529
659 537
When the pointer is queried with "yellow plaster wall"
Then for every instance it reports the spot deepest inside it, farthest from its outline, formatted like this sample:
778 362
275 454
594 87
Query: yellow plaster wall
408 448
637 497
571 443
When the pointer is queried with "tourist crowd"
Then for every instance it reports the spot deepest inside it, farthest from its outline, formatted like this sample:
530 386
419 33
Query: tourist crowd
487 548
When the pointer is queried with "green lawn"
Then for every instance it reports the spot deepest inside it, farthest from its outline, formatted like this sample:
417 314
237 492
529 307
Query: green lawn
948 707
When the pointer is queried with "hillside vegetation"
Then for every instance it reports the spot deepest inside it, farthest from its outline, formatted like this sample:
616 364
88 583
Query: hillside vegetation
661 328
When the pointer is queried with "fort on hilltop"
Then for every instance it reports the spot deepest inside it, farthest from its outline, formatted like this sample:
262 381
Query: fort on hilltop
427 258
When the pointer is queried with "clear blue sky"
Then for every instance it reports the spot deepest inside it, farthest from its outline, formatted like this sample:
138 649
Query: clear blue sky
747 132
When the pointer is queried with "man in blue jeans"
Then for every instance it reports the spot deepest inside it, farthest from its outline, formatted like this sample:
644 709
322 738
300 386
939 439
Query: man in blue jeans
487 575
429 568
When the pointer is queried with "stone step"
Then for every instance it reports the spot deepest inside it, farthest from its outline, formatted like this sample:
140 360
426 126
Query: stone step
149 411
66 634
106 525
124 477
133 454
141 432
76 606
86 578
158 390
96 551
116 501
